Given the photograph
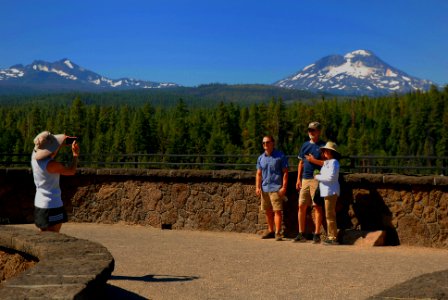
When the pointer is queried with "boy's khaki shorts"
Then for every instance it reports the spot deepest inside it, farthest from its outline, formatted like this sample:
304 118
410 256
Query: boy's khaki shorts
308 191
271 200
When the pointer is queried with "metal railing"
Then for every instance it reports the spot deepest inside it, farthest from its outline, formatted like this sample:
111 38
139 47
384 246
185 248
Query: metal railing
412 165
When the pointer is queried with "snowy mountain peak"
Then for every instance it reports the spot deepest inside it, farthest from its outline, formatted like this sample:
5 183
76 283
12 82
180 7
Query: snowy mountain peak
358 72
68 63
66 75
358 53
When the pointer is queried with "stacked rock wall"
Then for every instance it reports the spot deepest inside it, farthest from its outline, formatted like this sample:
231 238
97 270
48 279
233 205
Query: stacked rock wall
227 206
411 210
415 208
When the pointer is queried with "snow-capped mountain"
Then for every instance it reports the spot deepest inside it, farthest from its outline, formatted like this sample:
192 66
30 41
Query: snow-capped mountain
66 75
356 73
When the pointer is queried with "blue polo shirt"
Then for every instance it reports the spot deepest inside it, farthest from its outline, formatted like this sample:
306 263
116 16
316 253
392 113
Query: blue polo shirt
313 148
272 170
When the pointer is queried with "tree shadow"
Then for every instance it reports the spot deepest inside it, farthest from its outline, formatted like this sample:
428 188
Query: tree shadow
426 286
154 278
116 293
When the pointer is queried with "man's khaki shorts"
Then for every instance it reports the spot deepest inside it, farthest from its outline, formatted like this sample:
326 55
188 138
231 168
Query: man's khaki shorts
271 200
308 191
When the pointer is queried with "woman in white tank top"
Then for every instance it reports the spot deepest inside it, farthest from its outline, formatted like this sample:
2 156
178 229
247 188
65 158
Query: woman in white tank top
49 213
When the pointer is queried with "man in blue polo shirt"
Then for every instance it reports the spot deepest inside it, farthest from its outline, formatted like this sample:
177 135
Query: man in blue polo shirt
309 162
271 183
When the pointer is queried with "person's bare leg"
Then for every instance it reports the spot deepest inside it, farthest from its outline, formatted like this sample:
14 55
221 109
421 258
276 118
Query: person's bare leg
302 217
318 218
270 219
278 221
53 228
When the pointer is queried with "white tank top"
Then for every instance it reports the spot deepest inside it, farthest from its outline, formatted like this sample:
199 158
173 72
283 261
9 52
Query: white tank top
48 192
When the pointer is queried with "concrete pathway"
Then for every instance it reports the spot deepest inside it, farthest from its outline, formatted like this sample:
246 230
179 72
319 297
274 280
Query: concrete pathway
167 264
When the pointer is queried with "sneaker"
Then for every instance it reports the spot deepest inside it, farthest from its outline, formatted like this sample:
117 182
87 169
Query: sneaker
278 237
331 242
268 235
299 238
316 238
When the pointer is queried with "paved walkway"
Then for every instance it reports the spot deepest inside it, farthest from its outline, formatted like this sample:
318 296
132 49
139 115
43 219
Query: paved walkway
167 264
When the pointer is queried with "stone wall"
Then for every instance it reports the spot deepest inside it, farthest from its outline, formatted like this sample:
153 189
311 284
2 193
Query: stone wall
411 210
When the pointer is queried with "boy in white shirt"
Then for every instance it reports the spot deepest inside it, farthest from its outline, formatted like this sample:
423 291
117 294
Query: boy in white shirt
330 189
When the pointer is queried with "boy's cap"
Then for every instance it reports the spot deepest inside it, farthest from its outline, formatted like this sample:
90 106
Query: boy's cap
315 125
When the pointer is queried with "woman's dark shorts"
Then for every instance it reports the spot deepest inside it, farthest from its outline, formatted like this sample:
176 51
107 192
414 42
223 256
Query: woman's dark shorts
46 217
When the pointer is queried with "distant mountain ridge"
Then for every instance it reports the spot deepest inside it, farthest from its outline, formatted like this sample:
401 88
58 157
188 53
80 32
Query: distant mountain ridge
356 73
66 75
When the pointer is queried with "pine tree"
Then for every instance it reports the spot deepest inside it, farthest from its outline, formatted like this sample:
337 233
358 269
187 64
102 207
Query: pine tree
77 118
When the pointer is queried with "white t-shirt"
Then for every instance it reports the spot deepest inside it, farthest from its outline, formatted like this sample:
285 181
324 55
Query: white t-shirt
48 192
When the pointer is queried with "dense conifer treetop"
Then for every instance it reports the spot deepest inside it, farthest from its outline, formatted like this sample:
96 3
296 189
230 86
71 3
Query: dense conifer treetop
411 124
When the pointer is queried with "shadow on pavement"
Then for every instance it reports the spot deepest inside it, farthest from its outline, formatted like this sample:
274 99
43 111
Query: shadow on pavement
154 278
426 286
116 293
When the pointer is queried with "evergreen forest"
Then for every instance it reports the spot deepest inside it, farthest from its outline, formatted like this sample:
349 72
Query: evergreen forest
414 124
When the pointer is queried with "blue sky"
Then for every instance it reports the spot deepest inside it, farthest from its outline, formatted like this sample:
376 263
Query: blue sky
231 41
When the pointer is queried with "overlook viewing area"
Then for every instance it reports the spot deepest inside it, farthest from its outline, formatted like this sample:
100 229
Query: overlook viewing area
214 250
